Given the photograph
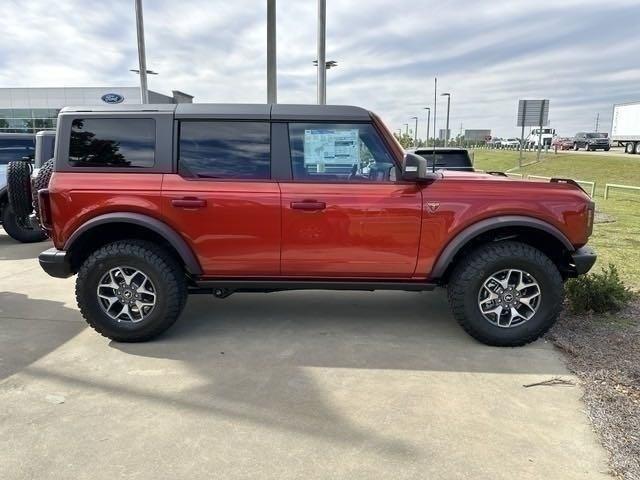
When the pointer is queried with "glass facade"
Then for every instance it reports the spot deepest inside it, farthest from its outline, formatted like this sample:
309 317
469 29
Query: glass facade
27 120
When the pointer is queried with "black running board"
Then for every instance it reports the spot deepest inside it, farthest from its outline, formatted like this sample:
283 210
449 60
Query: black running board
224 287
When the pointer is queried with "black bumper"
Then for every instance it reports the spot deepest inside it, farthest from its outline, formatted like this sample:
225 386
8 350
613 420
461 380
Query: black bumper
56 263
583 259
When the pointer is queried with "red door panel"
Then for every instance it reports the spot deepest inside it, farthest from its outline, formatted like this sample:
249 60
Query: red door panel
233 226
350 230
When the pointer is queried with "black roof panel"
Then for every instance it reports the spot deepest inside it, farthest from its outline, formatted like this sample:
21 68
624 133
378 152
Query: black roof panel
344 113
224 111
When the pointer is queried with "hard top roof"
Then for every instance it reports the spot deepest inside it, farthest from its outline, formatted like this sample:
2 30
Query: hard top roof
240 111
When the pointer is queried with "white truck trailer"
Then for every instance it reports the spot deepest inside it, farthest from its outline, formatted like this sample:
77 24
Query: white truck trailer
625 127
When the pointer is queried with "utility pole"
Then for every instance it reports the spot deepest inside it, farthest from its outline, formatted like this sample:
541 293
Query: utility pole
322 70
597 121
428 123
435 109
446 128
406 129
272 75
142 58
415 133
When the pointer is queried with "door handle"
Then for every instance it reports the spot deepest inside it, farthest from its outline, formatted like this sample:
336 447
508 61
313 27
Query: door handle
189 202
309 205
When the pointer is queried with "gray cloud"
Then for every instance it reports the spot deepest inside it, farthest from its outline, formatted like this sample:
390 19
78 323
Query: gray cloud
579 54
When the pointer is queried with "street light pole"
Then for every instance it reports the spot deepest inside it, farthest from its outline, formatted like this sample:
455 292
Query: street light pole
446 128
272 82
428 123
406 129
142 58
415 133
322 71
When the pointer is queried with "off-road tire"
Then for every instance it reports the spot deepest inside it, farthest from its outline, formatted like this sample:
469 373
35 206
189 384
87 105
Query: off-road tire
165 272
473 269
40 182
19 188
20 230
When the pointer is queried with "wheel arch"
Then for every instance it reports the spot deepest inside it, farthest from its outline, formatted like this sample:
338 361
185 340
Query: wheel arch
529 230
110 227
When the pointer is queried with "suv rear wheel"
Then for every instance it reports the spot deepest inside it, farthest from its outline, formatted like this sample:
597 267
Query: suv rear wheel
506 293
131 291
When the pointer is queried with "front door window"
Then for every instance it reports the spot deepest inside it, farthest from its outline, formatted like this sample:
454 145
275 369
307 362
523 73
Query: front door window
325 152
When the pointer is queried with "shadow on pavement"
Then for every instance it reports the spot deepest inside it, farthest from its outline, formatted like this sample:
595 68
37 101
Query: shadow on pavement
25 340
382 330
11 249
284 361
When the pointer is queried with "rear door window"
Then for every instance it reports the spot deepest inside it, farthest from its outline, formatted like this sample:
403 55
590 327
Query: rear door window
225 150
113 142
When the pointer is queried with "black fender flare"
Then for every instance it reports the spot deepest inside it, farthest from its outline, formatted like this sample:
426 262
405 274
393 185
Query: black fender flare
461 239
175 240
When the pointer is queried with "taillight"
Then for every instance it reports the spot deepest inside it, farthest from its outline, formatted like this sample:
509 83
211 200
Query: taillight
44 206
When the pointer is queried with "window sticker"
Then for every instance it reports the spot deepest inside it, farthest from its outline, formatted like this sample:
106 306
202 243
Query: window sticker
331 147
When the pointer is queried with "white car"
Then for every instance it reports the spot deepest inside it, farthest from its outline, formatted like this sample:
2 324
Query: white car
511 143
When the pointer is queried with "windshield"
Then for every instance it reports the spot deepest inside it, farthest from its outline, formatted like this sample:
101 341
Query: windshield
597 135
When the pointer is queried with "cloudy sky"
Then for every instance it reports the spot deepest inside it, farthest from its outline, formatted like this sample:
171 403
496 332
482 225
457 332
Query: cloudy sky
581 54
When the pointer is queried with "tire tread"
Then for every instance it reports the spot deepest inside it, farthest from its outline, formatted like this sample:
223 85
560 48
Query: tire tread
471 267
169 269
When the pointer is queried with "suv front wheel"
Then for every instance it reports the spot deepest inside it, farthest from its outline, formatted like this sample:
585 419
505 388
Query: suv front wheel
506 293
131 291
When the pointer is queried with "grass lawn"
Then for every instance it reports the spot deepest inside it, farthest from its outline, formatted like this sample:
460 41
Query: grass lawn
617 238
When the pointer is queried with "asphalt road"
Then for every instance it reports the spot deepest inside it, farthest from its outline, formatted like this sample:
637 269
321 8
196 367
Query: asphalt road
277 386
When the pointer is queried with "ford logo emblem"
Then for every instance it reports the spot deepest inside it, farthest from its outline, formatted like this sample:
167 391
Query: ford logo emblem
112 98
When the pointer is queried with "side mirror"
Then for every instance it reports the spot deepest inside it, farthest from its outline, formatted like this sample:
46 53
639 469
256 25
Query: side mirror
414 169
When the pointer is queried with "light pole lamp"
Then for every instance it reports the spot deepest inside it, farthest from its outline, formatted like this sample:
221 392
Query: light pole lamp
406 129
428 122
446 131
415 132
327 66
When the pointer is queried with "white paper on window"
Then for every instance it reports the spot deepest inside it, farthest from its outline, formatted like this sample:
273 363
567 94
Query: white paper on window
331 147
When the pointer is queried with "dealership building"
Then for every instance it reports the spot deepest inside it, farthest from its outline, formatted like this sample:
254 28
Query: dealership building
33 109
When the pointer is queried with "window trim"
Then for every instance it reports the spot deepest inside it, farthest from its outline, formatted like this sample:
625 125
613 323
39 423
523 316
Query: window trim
162 150
346 182
178 130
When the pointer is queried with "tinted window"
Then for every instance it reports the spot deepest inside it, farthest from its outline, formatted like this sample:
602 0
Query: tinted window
447 160
112 142
225 150
339 152
15 149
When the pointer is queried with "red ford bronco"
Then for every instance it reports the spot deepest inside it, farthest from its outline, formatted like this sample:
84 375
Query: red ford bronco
149 203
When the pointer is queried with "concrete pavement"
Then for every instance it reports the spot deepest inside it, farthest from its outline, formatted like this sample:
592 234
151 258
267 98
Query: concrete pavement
276 386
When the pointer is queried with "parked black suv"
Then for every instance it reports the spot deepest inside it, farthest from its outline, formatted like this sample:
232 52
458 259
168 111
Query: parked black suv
447 158
591 141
